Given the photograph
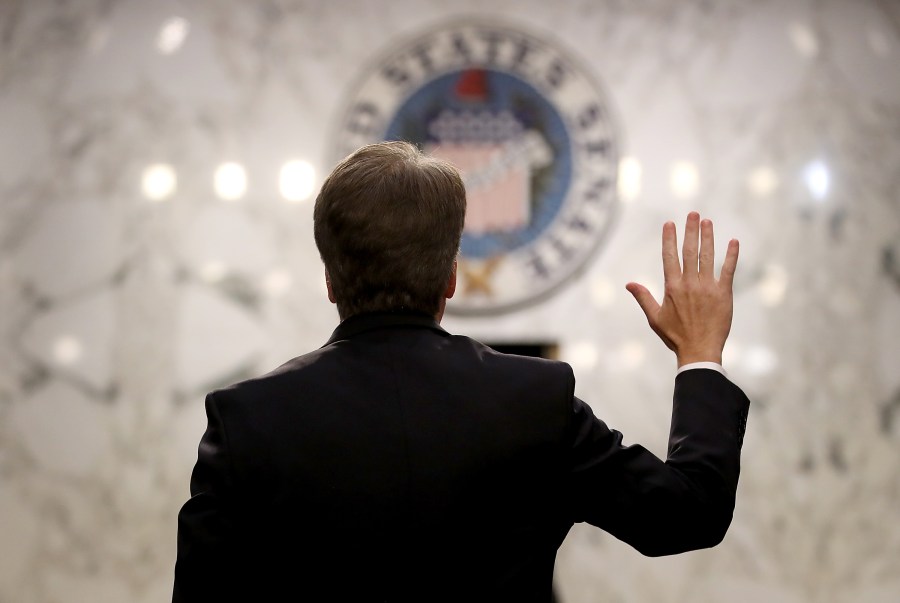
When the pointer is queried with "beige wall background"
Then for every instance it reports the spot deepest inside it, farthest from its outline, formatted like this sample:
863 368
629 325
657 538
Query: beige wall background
129 287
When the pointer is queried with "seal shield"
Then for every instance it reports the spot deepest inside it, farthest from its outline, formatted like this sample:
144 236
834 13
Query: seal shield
530 131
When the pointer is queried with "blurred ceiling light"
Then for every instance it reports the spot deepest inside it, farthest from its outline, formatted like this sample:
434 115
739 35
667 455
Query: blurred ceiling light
582 356
158 181
213 271
773 285
632 354
629 178
684 180
603 292
817 179
277 282
67 350
172 34
230 181
759 360
804 40
762 181
296 180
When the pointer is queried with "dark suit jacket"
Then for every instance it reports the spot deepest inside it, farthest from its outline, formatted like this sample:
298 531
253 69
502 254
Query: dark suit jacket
402 463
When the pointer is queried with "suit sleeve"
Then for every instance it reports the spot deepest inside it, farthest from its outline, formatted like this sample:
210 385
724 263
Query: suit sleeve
662 507
205 524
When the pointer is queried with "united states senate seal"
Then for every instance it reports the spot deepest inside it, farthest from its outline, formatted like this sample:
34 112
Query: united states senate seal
531 132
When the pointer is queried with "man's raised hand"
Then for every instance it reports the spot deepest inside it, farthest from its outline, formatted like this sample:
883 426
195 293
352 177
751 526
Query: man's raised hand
694 318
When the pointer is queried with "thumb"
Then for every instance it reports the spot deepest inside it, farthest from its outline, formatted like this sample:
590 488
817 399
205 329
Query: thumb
644 299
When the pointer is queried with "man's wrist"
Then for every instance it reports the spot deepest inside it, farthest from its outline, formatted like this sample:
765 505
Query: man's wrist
702 356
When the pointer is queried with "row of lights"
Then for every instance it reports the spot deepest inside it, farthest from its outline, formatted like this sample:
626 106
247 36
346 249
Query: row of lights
684 180
67 350
757 360
297 180
806 42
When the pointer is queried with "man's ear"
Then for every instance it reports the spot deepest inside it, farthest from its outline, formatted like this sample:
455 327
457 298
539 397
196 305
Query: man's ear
331 297
451 284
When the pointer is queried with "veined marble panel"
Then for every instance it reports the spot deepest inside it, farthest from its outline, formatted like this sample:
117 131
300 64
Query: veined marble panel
136 272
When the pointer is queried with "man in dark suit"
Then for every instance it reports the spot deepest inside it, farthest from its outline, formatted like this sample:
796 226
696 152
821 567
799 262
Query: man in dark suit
402 463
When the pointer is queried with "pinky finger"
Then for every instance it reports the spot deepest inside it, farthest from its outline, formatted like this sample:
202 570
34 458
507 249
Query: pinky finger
730 264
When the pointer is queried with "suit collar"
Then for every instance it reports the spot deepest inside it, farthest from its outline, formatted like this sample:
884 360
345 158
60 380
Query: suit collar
362 323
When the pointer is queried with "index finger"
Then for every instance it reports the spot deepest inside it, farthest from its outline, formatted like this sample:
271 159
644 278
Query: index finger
671 265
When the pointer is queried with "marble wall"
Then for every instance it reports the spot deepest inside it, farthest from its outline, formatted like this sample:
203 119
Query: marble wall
136 272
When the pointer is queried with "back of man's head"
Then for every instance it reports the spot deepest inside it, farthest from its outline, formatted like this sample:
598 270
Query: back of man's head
387 223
